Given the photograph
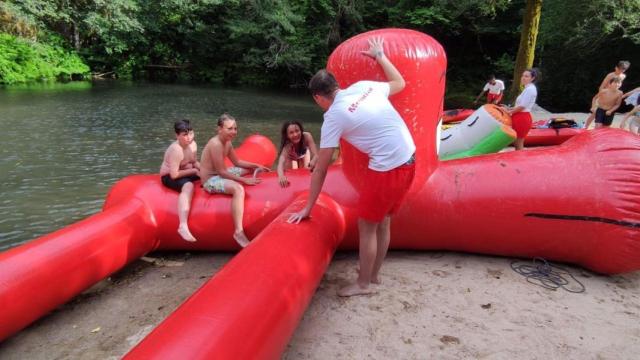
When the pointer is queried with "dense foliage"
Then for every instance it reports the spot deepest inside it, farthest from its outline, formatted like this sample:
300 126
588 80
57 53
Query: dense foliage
282 42
22 60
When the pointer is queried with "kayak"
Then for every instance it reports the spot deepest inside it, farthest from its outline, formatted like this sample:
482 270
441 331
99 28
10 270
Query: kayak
552 131
455 115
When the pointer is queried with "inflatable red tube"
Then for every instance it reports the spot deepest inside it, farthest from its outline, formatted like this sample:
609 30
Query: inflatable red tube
423 64
251 307
210 218
37 277
547 137
578 202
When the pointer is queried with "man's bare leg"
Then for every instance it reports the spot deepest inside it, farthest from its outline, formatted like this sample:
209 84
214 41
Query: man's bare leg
184 206
367 253
237 210
383 235
589 120
519 143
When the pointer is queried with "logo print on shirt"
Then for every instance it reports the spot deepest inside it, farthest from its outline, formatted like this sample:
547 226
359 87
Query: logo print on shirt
355 105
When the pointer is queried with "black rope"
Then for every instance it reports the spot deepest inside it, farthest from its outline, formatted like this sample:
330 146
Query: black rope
542 273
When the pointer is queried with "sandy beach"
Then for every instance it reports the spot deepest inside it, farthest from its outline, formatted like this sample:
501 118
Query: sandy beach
431 305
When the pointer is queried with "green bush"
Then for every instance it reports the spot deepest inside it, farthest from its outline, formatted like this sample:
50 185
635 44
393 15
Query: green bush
24 60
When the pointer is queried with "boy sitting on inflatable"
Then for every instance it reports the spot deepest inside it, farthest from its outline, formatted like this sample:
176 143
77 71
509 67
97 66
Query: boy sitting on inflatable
179 170
218 179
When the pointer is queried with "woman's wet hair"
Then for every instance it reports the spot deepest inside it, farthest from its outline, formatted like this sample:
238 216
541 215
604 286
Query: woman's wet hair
535 74
181 126
285 138
224 117
323 83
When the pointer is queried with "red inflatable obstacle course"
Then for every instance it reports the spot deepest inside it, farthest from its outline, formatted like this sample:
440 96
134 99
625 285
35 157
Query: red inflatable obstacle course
577 203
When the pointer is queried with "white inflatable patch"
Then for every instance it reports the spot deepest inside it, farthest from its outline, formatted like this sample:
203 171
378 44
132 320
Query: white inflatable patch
468 133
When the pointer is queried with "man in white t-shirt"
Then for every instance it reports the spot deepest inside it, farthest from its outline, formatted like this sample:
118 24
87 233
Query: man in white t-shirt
494 89
363 116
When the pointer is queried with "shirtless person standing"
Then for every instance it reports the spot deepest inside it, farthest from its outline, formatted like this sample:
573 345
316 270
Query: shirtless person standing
619 71
217 179
179 170
608 100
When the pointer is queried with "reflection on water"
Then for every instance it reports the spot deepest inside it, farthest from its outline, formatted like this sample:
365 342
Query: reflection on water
65 145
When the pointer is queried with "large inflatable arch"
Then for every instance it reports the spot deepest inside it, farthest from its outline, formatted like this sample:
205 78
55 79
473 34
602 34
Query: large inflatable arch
574 203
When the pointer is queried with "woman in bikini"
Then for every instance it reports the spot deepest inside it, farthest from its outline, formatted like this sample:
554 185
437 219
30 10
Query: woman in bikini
297 150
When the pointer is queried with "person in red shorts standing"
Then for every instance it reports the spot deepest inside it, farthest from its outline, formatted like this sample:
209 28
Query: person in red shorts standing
494 89
363 116
521 113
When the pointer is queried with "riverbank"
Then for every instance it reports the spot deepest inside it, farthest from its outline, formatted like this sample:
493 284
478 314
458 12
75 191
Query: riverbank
431 305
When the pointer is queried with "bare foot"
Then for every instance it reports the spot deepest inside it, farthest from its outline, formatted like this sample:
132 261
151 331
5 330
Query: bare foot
355 289
374 280
185 233
241 239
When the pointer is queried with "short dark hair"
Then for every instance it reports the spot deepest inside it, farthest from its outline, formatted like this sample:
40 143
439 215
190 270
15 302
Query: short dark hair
224 117
491 77
323 83
181 126
623 65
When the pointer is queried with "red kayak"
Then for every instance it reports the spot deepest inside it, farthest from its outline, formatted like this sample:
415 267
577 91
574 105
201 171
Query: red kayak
552 131
455 115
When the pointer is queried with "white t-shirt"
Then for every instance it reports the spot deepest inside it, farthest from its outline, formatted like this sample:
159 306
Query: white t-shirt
496 88
527 97
363 116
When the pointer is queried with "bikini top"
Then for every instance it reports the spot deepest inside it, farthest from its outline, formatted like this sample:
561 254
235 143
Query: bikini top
295 154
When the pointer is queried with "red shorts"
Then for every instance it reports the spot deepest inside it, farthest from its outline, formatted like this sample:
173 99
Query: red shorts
494 98
384 192
521 123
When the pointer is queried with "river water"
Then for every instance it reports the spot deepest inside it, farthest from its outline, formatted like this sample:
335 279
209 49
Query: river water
65 145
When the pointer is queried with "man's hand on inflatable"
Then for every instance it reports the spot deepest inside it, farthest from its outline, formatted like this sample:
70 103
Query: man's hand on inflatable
375 48
295 218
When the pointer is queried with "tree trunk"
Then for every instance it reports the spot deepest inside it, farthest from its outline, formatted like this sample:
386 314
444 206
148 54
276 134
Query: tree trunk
527 48
76 36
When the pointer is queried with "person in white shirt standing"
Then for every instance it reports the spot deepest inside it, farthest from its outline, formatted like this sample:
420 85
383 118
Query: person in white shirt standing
521 113
494 89
363 116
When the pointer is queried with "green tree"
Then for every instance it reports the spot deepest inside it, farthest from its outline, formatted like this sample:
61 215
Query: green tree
14 22
96 28
24 60
580 42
